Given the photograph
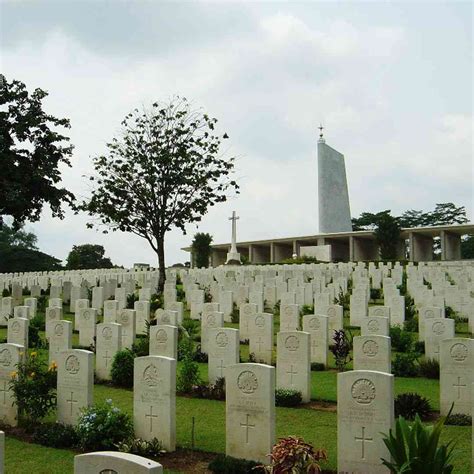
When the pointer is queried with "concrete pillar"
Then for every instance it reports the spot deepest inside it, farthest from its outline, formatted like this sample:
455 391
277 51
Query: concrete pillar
272 252
421 247
450 246
363 249
296 248
251 253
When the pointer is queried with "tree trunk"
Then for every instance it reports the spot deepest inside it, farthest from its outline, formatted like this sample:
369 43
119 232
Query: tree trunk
161 263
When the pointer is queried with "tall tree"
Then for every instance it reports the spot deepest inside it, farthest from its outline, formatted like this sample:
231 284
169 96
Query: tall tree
201 249
31 150
10 237
164 171
443 214
387 235
87 256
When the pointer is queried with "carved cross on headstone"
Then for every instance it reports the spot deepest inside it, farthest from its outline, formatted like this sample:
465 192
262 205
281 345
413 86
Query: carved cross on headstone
291 373
363 439
459 385
151 416
107 358
4 390
221 367
71 401
247 426
259 342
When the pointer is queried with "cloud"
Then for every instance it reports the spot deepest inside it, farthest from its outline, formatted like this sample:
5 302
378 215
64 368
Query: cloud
270 73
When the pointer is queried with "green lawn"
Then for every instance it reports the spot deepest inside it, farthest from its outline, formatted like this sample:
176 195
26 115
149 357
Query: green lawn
315 426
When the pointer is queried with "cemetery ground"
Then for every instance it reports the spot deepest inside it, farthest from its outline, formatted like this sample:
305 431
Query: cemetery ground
316 422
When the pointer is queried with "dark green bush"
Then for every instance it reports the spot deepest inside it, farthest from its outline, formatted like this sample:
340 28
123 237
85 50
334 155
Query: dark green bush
215 391
287 397
199 356
235 316
404 365
188 376
401 340
191 326
459 419
409 404
122 368
56 435
34 327
131 298
5 293
317 367
307 309
375 294
419 347
428 368
223 464
411 325
156 301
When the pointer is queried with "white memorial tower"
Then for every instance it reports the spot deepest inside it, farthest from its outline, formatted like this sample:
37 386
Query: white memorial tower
233 257
333 196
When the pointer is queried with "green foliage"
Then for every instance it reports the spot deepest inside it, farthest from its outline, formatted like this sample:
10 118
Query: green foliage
87 256
428 368
341 349
36 325
416 449
294 455
307 309
212 391
419 347
56 435
235 315
103 426
299 260
387 235
344 300
156 301
121 371
168 157
401 340
188 376
317 367
34 388
223 464
411 325
409 405
410 308
443 214
467 247
131 299
201 249
375 294
404 365
287 397
19 238
32 151
17 259
459 419
141 447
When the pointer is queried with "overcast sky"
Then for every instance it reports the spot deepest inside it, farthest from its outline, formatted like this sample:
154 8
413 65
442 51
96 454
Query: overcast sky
391 82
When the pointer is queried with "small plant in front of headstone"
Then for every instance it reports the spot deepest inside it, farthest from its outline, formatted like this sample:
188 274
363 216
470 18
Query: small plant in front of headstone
293 454
428 368
34 389
419 347
459 419
404 365
409 405
131 298
341 349
36 325
141 447
317 367
103 426
223 464
287 397
307 309
188 376
122 368
416 448
212 391
235 315
156 301
344 300
56 435
6 293
401 340
411 325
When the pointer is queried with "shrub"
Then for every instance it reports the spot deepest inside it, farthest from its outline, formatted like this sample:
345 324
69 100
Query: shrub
141 347
344 300
235 315
375 294
141 447
449 312
409 405
36 325
131 298
215 391
56 435
41 303
188 376
341 349
5 293
34 388
121 371
317 367
411 325
156 301
103 426
276 308
185 346
199 356
287 397
191 326
223 464
307 309
292 454
419 347
404 365
415 449
459 419
410 308
428 368
401 340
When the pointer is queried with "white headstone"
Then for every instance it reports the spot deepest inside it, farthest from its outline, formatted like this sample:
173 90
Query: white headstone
126 317
261 337
317 327
10 356
18 332
372 353
108 343
164 341
110 462
223 345
59 339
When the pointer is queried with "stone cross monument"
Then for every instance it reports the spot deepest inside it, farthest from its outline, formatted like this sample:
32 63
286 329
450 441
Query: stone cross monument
233 257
